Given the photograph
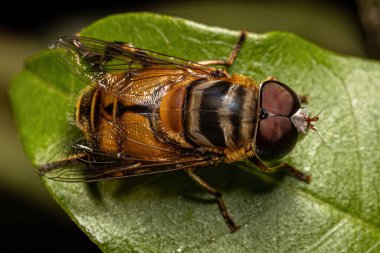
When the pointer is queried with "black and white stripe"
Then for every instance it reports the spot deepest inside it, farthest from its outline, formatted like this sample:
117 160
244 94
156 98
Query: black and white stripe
220 114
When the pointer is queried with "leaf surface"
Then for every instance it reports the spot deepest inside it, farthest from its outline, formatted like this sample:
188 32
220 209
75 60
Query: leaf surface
338 212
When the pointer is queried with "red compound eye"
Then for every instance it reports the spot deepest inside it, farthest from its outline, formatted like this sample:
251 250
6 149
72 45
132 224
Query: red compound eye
277 98
276 134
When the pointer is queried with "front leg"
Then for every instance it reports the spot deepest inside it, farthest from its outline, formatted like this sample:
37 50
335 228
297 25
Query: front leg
283 166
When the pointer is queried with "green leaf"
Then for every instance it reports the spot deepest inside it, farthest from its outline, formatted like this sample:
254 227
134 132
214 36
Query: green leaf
338 212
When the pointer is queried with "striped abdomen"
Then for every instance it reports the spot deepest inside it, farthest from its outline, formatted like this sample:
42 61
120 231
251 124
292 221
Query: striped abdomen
217 114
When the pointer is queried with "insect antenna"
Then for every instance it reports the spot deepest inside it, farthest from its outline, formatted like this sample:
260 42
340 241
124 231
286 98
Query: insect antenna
315 119
320 137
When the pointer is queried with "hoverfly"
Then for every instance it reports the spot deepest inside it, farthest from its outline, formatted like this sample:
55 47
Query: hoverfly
144 112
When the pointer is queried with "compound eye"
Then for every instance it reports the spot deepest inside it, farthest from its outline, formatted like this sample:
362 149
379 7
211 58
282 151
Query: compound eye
276 136
277 98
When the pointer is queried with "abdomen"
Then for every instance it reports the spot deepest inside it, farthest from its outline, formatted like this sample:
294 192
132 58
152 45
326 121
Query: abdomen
216 113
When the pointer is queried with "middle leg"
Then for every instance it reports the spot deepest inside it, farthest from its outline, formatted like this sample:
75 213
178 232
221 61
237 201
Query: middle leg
231 224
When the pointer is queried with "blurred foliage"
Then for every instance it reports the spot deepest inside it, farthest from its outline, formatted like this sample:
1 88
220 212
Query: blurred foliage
369 11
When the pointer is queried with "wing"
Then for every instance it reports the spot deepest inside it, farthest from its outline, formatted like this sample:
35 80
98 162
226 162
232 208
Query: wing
94 164
116 67
91 173
141 154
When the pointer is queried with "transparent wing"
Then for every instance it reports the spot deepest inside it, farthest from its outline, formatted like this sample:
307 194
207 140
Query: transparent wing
115 67
86 173
140 154
95 165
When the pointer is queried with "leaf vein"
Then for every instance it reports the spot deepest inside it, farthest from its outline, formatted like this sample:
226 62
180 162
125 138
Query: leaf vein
328 233
373 247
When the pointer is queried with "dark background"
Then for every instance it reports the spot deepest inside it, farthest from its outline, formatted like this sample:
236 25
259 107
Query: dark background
29 219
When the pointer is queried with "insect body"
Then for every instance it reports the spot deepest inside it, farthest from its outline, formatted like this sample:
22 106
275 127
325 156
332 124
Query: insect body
144 112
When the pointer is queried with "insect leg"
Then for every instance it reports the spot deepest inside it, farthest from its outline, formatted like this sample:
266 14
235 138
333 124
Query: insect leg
231 224
45 168
232 56
304 99
283 166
